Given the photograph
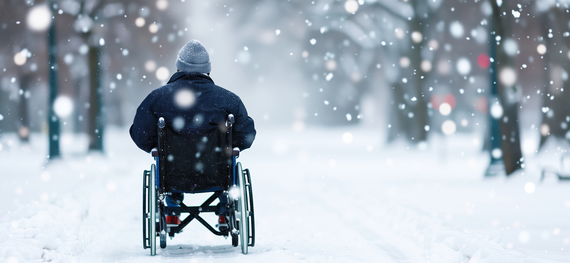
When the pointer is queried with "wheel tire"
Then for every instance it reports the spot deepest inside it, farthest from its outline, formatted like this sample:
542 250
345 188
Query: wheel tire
152 205
244 213
250 208
145 211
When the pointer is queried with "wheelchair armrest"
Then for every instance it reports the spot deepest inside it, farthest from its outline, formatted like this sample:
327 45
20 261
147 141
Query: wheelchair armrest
236 151
154 152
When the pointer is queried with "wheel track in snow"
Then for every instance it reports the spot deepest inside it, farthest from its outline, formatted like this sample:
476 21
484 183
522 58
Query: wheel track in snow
400 249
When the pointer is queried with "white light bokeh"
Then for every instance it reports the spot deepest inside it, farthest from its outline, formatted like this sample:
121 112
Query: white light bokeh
524 237
347 137
351 6
456 29
162 4
243 57
39 18
63 106
234 192
184 98
44 197
463 66
544 129
162 73
83 49
399 33
111 186
83 24
510 46
298 126
417 36
404 62
528 146
529 187
508 76
497 153
153 28
280 146
480 35
433 44
150 65
541 49
20 58
445 109
178 123
329 76
448 127
68 58
331 65
139 22
45 176
496 111
426 66
443 67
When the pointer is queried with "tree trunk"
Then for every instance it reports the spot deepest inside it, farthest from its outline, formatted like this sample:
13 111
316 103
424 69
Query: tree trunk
95 125
24 127
417 24
554 121
53 119
399 119
508 122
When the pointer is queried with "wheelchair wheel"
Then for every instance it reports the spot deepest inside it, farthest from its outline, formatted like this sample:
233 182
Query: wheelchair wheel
145 210
244 212
250 208
152 209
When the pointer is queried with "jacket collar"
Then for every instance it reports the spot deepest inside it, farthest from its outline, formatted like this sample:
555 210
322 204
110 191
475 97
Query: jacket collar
190 75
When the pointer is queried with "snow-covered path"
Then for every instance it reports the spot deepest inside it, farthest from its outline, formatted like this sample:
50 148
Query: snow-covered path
317 199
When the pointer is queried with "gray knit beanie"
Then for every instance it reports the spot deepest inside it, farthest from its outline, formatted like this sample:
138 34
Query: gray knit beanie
193 57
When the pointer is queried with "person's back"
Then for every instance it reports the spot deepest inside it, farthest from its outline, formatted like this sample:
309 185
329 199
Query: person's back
190 102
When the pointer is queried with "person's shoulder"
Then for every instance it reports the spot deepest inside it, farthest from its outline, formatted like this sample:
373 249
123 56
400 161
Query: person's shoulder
227 93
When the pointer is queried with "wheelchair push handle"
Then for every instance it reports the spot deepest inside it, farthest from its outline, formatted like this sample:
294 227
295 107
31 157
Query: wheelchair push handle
161 123
230 120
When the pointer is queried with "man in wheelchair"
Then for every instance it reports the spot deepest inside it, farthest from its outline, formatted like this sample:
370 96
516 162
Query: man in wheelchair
197 118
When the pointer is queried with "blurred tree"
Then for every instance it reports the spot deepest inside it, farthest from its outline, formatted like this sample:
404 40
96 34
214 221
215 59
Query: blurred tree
53 119
504 82
555 53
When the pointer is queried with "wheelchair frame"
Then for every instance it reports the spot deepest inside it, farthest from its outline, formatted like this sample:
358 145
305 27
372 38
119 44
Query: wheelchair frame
241 221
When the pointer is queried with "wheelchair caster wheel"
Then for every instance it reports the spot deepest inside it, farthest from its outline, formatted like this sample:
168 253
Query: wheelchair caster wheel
235 239
162 240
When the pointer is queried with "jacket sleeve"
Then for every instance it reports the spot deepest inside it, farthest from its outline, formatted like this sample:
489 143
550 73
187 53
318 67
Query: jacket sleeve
144 129
243 132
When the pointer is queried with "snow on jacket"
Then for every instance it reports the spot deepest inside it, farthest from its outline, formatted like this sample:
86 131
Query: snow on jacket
190 102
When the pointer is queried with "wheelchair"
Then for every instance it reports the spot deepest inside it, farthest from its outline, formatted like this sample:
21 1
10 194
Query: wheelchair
202 163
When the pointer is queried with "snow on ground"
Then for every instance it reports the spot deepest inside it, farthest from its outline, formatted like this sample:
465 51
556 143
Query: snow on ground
320 196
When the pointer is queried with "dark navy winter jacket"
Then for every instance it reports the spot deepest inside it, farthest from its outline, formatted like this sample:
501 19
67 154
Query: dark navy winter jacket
190 102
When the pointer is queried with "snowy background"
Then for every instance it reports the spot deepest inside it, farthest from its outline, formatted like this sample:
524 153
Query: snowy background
372 119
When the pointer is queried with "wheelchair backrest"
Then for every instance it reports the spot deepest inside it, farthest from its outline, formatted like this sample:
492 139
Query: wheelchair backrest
195 163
